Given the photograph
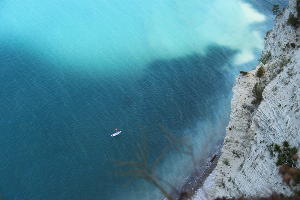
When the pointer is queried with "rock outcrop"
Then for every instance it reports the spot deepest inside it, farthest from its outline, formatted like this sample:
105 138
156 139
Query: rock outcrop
265 111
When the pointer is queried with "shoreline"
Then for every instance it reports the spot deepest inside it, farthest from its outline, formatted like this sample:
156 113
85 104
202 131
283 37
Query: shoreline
264 112
199 175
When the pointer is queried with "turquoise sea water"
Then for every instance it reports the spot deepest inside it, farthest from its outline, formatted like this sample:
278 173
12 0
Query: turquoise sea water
73 71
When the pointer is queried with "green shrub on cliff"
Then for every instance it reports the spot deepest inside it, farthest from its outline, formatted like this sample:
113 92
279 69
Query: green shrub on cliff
243 73
285 154
257 93
276 9
260 72
292 21
298 7
265 57
226 162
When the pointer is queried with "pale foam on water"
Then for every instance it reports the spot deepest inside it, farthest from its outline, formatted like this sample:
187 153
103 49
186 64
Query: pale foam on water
116 34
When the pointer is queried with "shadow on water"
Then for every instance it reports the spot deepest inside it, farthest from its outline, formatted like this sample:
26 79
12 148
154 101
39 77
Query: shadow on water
55 126
186 88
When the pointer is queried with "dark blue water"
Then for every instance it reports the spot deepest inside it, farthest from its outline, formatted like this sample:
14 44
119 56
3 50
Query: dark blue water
59 104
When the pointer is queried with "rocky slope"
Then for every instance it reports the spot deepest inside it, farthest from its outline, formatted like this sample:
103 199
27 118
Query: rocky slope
265 110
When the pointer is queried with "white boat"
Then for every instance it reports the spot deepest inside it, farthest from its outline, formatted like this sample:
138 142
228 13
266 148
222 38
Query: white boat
116 133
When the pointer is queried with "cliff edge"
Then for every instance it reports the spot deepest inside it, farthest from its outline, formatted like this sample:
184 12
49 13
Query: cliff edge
265 111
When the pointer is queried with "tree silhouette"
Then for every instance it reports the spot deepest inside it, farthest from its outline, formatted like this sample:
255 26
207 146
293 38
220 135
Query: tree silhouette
144 168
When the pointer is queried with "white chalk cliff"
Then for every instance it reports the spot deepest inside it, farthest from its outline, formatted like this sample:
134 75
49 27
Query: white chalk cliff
246 166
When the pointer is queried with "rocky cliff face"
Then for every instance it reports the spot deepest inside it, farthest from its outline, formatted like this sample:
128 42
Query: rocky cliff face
265 110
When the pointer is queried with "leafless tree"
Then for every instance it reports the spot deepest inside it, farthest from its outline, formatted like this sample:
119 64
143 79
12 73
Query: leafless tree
181 145
142 168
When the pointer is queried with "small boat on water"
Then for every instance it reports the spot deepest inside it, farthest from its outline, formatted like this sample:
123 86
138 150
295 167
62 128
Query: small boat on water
117 132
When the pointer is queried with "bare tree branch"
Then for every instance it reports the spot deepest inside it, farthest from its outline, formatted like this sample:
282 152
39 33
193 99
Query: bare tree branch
142 168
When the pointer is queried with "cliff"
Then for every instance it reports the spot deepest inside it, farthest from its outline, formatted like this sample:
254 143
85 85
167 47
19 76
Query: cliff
265 111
